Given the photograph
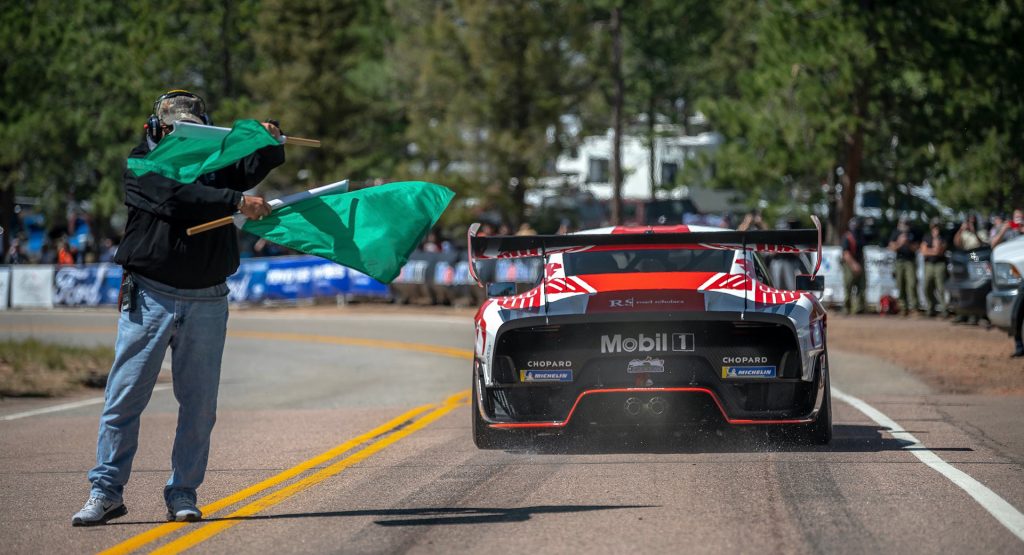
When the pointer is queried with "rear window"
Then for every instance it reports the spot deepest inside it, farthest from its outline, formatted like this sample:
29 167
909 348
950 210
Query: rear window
646 261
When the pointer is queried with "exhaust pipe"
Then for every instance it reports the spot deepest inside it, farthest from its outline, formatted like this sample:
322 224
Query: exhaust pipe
657 406
633 407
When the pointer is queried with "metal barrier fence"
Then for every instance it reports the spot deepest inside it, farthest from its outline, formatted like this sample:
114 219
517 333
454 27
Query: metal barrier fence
428 278
285 278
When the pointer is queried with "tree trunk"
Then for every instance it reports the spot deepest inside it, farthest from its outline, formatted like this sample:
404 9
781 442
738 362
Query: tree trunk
518 183
520 167
855 142
226 37
834 226
651 145
6 217
854 155
617 102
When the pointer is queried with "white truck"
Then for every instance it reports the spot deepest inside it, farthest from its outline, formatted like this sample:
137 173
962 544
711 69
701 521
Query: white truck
1004 302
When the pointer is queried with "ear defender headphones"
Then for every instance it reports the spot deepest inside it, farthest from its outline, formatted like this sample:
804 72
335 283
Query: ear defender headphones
154 131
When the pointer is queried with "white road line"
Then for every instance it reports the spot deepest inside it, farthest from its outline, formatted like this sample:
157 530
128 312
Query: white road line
1003 511
65 406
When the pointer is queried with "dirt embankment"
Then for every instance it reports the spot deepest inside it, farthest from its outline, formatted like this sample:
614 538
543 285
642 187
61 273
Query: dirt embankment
951 358
37 369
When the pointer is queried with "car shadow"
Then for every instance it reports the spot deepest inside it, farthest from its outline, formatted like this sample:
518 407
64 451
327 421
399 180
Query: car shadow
846 438
444 516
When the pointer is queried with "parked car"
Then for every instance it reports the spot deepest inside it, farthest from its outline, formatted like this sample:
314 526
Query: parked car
970 280
1004 302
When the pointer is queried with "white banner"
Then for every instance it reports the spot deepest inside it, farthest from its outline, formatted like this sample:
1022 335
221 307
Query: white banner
5 286
832 271
32 286
880 265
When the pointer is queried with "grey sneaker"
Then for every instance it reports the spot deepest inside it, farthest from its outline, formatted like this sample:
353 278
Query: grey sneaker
181 508
98 510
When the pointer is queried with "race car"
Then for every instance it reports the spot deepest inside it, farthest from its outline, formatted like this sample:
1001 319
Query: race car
649 327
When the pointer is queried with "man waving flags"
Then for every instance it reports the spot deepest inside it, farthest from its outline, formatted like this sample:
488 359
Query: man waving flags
372 230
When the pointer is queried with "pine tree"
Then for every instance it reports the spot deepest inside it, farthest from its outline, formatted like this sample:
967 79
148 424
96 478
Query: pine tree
488 83
326 74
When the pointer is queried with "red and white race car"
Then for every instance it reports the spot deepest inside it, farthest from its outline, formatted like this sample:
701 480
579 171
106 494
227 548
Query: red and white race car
649 326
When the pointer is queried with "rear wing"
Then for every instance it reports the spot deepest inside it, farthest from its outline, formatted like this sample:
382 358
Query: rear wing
496 247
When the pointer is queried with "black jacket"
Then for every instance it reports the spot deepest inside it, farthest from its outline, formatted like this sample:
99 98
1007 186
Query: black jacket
155 244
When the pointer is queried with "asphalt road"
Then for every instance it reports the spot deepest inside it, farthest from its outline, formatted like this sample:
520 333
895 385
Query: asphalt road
350 433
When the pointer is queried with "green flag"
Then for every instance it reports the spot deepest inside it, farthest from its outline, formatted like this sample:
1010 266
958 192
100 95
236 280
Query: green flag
184 158
372 230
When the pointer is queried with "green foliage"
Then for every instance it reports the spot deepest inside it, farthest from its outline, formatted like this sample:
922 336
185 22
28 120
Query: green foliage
667 52
790 114
324 73
472 93
80 78
968 69
931 90
487 83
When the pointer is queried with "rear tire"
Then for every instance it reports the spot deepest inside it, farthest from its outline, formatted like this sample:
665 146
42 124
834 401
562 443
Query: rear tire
820 431
483 435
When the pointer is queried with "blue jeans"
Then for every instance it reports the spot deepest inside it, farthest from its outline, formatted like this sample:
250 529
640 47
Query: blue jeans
193 322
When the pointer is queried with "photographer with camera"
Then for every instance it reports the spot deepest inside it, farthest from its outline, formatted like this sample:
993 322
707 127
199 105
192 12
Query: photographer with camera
1010 229
968 237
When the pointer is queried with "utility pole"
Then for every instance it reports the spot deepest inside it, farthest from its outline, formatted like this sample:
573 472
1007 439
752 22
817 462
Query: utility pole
617 102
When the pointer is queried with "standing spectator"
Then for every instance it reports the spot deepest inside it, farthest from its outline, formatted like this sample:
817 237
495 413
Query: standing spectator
47 254
933 248
107 250
564 227
1010 229
904 243
15 254
997 223
752 220
1018 329
853 268
431 243
969 237
87 254
65 256
526 229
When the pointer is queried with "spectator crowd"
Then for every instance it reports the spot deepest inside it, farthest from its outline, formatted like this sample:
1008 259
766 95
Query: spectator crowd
935 246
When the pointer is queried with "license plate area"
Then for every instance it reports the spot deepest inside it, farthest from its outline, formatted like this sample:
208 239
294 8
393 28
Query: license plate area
646 366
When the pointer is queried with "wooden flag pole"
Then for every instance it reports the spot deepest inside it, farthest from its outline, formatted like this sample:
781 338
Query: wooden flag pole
195 130
226 220
340 186
299 141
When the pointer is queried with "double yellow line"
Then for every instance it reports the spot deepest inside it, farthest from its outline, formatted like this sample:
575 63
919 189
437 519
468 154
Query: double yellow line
381 437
